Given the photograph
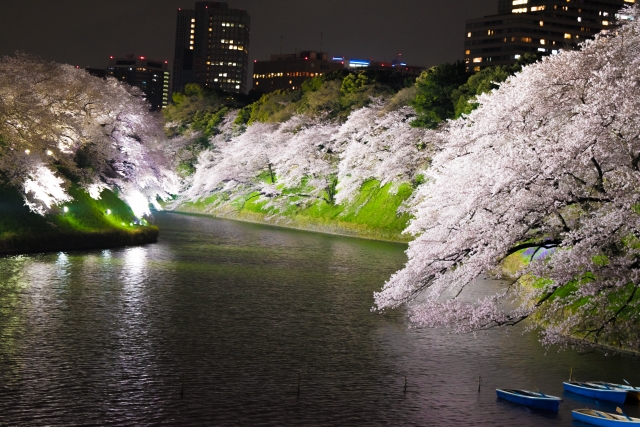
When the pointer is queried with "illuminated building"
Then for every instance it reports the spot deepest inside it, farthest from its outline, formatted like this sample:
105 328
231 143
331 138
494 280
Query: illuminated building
290 70
152 77
212 47
535 26
395 66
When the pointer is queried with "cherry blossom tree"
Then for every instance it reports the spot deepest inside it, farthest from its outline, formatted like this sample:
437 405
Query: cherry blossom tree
549 161
310 159
380 145
58 124
283 163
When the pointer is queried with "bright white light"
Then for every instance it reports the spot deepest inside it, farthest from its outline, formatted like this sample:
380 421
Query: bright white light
138 203
49 153
66 209
108 211
95 190
45 187
27 151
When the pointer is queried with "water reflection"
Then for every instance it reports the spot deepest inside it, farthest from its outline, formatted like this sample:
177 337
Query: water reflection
215 324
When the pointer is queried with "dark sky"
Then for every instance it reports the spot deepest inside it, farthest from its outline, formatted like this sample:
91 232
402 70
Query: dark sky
86 32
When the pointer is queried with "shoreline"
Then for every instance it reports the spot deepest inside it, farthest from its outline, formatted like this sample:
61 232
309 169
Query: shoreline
77 240
338 228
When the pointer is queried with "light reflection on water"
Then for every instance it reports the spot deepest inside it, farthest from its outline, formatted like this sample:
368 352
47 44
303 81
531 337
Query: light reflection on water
215 324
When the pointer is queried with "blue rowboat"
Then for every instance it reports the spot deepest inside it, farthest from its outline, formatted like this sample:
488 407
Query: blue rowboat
530 398
633 392
596 391
604 419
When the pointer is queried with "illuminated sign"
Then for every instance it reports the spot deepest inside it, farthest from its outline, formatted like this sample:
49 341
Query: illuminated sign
358 63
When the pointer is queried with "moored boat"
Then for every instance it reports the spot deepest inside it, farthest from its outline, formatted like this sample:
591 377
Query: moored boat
530 398
633 392
603 419
595 391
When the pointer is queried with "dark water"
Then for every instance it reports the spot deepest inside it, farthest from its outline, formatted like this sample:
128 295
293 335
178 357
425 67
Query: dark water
219 322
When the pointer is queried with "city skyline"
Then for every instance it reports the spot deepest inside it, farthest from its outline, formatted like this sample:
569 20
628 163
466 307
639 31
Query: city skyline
86 34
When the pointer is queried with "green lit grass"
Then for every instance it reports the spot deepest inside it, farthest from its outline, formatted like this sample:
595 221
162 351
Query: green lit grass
373 214
87 223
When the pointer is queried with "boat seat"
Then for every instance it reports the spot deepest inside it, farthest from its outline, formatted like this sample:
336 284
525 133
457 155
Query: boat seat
605 416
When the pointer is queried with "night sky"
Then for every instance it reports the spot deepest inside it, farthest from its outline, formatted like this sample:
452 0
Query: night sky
87 32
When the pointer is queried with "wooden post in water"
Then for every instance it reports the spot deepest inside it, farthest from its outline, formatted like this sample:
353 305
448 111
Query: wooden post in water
479 383
571 374
182 386
405 384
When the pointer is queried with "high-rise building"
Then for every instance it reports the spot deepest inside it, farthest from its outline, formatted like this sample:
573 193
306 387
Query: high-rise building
151 76
290 70
544 26
212 47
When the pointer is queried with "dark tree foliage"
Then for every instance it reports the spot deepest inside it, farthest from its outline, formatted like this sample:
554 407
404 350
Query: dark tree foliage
433 102
440 95
485 81
334 95
203 108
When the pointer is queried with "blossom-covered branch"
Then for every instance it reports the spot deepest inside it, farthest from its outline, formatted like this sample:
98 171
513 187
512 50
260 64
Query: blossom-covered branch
59 124
550 159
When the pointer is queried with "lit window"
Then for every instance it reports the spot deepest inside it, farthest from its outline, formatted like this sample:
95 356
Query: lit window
516 56
469 34
477 59
543 41
517 2
193 25
193 19
520 10
537 8
603 23
467 52
567 35
490 32
542 23
237 86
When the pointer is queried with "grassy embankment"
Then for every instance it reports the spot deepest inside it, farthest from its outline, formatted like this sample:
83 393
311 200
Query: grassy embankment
372 215
87 224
